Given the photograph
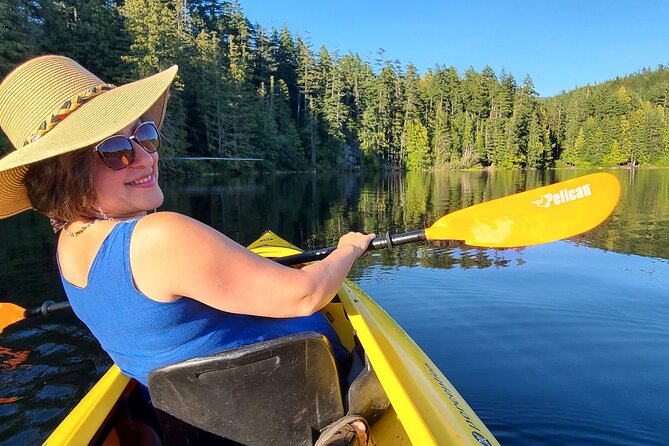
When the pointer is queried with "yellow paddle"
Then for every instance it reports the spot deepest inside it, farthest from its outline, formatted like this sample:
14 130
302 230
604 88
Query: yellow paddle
540 215
536 216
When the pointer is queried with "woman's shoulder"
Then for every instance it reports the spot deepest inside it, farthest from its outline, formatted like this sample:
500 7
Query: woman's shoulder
169 230
159 219
164 223
164 245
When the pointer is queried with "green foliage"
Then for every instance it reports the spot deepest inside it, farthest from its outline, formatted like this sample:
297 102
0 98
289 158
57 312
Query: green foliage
246 91
417 146
19 34
620 122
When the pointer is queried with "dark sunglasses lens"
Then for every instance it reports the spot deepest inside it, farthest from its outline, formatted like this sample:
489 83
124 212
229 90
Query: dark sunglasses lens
147 135
116 152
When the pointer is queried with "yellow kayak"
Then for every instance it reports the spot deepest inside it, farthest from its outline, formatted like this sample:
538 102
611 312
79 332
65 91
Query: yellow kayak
408 401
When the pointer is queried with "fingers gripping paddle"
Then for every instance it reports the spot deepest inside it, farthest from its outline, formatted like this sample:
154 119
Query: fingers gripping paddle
536 216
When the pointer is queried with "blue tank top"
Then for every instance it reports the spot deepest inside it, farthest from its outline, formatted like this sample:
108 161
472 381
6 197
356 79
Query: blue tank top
141 334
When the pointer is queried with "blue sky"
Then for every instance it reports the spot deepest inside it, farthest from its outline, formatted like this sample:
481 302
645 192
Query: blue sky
561 44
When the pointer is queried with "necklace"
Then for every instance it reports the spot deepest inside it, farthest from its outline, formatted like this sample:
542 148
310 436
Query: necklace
81 229
85 226
58 225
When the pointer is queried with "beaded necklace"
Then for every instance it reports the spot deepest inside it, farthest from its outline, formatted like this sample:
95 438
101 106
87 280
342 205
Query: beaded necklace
82 228
58 225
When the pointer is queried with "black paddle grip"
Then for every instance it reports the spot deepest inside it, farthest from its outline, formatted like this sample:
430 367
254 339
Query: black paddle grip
46 309
389 241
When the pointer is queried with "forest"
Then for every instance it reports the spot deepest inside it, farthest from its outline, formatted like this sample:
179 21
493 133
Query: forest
247 91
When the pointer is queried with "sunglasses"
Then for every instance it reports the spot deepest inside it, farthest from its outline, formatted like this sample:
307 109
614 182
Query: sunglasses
117 151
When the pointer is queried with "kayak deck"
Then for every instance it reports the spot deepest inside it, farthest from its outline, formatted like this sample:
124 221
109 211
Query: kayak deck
425 409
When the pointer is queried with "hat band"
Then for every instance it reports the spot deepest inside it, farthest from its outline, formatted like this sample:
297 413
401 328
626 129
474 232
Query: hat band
64 110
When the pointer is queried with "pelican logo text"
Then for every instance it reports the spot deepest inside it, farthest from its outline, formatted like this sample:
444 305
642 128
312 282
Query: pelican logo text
563 196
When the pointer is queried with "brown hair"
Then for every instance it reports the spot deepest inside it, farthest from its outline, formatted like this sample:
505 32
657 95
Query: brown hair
62 187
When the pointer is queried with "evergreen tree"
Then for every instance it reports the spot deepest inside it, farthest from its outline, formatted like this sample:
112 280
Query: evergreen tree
239 33
418 150
290 151
100 40
210 12
265 64
286 56
307 80
209 92
506 95
19 34
539 141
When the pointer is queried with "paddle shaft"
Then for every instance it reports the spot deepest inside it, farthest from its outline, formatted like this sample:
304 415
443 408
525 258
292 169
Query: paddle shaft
46 309
387 241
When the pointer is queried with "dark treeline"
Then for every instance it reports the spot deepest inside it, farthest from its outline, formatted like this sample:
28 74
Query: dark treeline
244 90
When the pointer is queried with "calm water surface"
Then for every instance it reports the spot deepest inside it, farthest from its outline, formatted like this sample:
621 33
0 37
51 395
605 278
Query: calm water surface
564 343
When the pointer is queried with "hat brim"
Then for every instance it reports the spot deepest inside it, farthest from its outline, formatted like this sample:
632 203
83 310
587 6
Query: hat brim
102 116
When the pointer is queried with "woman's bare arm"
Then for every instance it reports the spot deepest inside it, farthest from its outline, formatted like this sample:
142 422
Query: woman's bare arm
172 255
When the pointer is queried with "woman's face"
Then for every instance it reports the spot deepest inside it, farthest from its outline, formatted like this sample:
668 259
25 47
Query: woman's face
130 191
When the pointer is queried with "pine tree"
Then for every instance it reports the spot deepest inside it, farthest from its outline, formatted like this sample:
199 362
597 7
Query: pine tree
523 109
418 150
412 104
333 113
287 69
539 148
210 12
97 38
290 150
307 114
265 64
625 141
639 150
19 34
239 32
209 92
615 156
506 95
622 102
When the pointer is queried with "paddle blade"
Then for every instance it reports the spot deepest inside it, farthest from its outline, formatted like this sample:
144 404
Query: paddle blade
536 216
10 313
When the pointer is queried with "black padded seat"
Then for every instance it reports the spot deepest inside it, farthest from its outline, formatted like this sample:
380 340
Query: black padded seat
277 392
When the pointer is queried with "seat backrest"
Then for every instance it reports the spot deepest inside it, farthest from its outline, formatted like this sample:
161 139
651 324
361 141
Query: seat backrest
280 392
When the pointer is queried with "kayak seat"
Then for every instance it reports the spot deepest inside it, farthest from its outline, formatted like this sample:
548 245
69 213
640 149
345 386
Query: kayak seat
365 395
281 392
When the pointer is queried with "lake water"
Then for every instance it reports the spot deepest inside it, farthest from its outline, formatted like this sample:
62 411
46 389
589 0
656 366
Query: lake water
564 343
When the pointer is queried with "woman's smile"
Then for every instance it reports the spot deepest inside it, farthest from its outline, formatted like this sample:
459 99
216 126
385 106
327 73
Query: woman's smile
147 181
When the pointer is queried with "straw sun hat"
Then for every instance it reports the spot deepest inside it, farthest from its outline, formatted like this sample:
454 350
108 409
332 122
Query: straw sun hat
51 105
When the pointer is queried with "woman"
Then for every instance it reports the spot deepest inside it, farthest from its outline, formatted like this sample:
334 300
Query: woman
154 289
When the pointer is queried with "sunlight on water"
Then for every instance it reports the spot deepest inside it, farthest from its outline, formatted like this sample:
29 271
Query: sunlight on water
564 343
559 344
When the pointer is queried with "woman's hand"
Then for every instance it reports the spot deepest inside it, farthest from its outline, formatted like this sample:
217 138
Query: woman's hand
358 241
